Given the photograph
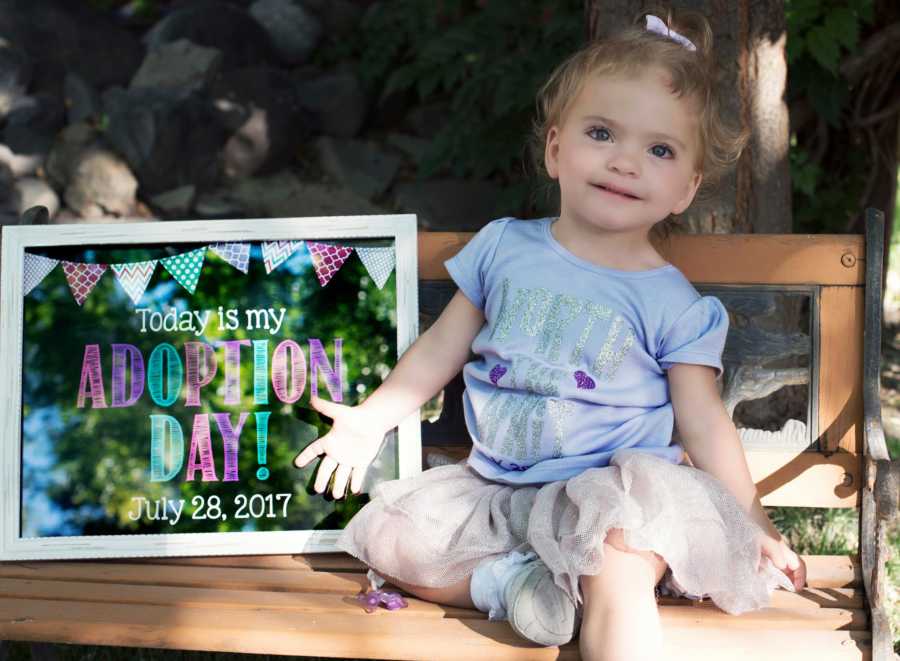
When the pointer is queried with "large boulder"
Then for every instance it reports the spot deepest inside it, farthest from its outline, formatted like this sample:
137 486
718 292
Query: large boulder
337 102
62 37
218 25
169 138
293 30
15 74
263 110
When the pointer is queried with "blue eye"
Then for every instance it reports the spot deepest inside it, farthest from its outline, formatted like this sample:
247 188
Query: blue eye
599 133
662 151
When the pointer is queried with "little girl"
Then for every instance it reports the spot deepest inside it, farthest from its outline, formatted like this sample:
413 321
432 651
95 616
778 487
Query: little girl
574 503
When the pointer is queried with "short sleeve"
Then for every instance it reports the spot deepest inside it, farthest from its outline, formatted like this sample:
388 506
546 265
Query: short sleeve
697 337
469 266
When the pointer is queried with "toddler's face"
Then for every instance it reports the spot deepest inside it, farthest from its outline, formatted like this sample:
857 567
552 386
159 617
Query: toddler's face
625 153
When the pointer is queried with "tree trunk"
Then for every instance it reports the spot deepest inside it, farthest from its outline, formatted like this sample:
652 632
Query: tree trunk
756 195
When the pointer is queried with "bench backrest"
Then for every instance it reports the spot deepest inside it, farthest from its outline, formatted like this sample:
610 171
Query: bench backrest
796 304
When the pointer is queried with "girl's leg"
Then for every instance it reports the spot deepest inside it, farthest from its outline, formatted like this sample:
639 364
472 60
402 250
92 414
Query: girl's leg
452 595
621 620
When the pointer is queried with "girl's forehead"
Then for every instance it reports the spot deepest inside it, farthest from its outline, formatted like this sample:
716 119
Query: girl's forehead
644 97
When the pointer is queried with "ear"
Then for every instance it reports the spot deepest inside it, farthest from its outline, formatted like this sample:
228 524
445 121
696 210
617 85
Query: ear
685 202
551 153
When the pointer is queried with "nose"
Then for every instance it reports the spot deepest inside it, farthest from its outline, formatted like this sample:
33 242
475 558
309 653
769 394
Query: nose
624 162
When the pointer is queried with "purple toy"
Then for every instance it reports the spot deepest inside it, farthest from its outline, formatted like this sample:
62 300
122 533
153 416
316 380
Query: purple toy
373 598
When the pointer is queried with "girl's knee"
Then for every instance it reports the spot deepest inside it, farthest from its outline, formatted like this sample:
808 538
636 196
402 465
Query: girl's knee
615 539
622 574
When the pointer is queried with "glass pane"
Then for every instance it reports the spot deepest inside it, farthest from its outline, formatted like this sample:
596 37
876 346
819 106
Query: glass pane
767 363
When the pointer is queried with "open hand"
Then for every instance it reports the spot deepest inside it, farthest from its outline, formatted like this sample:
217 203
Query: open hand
784 559
349 448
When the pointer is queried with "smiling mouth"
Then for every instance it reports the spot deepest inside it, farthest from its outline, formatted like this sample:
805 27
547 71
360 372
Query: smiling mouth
616 191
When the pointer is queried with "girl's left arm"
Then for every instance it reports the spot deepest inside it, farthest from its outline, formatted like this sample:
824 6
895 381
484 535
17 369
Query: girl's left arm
710 438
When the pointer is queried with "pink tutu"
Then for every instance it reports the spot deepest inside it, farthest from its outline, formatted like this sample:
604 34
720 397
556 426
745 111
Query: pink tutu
433 529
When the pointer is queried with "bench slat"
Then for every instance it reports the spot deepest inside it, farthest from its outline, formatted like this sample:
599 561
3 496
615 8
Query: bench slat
783 259
340 562
384 634
810 610
823 571
227 578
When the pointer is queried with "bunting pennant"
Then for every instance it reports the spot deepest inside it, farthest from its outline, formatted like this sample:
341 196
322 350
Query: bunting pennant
236 254
185 268
82 278
379 263
36 269
327 259
134 277
276 253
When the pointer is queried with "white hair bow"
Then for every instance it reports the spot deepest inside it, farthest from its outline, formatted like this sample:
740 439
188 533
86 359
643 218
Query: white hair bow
656 24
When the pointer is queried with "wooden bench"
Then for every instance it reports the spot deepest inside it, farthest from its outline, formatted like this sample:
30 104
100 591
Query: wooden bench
304 604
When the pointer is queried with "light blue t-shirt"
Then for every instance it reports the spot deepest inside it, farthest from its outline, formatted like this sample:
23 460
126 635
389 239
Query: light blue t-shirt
572 356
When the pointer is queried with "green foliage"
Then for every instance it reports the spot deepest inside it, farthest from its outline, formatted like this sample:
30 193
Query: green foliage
485 60
820 36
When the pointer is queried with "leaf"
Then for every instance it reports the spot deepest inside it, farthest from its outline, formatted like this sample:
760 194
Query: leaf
824 48
843 25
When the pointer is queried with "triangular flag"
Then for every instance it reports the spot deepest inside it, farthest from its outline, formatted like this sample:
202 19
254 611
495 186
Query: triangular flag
379 262
134 277
327 259
82 278
276 253
36 269
185 268
236 254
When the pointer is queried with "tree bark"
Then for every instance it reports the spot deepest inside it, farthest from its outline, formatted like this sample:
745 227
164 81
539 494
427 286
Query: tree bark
756 195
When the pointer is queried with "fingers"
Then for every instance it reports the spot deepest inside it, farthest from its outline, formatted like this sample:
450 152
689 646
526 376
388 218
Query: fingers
356 481
326 468
331 409
309 453
341 476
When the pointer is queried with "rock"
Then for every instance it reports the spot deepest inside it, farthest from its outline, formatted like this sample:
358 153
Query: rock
179 64
81 100
218 25
175 203
69 37
293 31
64 155
449 204
169 138
272 122
412 146
20 164
283 195
15 74
361 166
101 185
423 119
31 191
7 191
338 16
32 124
337 102
218 204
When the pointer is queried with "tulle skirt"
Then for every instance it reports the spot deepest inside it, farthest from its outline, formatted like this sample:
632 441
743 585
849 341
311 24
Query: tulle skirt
433 529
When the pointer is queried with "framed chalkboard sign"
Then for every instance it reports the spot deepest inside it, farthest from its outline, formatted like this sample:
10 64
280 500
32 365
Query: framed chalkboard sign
155 380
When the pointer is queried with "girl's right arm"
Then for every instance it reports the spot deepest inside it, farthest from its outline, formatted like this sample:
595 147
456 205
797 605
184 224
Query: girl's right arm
358 432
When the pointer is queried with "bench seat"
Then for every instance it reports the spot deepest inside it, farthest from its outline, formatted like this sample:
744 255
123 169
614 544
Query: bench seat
304 605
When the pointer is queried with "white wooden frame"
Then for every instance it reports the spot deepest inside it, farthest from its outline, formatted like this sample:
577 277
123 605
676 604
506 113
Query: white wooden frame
15 240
